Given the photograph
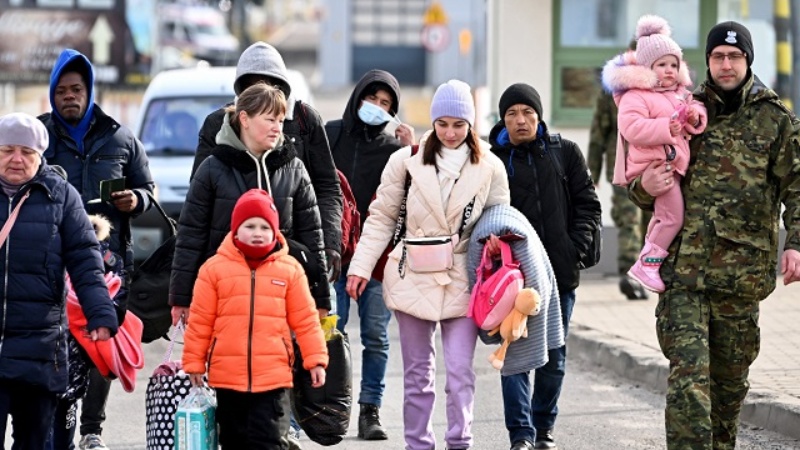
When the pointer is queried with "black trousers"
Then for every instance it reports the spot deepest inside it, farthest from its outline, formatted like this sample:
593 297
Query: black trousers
253 421
31 409
93 407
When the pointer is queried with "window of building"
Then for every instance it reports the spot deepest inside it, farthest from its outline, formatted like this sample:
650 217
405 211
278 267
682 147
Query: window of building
590 32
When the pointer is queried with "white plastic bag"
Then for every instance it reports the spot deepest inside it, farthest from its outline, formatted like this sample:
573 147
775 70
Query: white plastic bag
195 421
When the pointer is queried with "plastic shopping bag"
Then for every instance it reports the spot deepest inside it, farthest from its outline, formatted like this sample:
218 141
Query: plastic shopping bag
195 421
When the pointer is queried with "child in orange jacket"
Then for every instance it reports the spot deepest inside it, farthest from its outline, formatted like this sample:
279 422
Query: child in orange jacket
247 301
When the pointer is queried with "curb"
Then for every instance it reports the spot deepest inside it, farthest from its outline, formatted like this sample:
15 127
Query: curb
647 367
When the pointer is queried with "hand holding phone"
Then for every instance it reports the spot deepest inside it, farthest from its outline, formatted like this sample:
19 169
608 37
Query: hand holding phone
109 186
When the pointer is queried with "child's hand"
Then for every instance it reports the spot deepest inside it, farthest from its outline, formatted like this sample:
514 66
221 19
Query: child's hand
197 379
317 376
675 127
692 117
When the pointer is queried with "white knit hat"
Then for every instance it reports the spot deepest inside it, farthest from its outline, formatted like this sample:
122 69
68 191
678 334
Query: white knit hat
653 41
453 99
25 130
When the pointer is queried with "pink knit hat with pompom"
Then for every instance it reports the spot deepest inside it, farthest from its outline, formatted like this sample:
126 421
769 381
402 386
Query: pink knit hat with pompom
653 41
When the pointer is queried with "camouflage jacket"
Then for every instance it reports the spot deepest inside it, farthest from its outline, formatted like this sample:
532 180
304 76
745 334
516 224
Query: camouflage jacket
742 168
603 138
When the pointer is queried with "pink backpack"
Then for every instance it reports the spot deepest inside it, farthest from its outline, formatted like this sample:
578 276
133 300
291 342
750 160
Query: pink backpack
495 289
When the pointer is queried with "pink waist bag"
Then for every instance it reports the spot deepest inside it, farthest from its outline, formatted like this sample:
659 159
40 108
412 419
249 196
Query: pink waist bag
496 288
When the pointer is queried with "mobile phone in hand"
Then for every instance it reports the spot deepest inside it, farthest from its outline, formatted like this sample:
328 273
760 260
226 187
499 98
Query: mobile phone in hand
109 186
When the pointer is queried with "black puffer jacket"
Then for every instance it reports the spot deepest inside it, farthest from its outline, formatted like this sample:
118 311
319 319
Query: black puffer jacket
564 218
213 192
361 151
303 129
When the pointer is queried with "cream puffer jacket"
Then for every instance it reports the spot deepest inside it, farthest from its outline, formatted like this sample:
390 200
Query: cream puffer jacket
429 296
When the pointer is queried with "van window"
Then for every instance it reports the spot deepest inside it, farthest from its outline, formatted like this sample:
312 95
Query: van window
171 126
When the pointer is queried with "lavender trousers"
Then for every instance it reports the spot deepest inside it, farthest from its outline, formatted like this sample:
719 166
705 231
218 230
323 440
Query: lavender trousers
667 218
417 343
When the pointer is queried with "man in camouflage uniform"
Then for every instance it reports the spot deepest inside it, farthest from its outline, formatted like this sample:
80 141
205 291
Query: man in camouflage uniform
630 221
745 164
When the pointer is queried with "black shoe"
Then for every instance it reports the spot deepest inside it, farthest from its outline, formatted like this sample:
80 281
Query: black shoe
632 289
522 445
369 424
544 439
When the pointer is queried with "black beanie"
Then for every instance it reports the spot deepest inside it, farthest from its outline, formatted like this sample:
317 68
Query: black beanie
730 33
520 93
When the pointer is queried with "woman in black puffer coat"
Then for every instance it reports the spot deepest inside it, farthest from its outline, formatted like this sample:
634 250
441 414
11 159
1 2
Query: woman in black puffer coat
250 153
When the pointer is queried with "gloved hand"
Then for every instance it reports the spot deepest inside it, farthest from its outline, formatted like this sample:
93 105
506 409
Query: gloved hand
334 261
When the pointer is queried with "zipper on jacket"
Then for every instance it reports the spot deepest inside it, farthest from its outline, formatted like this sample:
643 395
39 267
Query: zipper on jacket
210 355
58 342
250 331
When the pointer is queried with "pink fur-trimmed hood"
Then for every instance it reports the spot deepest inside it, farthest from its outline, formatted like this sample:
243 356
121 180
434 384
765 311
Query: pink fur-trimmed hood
623 73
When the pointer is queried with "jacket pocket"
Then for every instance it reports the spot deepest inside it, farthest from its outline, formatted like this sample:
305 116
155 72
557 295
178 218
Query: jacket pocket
740 259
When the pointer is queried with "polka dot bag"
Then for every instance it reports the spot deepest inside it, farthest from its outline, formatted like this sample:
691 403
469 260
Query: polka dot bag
168 385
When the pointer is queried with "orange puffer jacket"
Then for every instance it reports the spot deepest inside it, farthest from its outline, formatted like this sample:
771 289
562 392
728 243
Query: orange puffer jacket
241 321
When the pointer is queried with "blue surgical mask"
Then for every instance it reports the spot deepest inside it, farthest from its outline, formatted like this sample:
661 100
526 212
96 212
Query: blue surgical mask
372 114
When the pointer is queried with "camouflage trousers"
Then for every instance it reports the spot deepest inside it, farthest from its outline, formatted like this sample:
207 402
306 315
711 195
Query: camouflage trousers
631 223
710 340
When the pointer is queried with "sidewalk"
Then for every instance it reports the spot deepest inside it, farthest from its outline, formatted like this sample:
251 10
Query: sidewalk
619 335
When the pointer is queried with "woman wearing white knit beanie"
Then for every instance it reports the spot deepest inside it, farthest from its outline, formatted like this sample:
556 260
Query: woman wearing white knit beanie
441 191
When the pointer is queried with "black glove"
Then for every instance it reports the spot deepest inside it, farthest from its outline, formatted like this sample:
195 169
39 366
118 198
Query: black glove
334 264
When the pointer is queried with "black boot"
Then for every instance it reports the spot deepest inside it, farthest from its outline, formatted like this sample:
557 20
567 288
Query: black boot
544 439
369 424
632 288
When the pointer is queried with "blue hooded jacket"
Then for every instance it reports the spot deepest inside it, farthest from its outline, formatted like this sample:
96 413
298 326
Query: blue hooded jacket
98 148
74 61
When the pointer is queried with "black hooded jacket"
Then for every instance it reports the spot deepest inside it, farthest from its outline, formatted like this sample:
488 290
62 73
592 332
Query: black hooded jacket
206 216
564 218
359 150
307 136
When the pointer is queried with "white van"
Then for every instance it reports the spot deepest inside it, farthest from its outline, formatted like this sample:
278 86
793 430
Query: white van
197 32
173 110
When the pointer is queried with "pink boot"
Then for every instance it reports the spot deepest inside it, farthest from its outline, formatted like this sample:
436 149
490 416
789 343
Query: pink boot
645 271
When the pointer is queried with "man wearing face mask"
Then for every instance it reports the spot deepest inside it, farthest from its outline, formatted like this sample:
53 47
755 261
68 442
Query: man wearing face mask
361 147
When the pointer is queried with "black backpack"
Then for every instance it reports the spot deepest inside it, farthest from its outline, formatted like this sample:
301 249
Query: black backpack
148 295
592 256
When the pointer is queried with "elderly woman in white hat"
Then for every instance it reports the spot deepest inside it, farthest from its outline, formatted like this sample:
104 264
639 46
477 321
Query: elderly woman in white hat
45 230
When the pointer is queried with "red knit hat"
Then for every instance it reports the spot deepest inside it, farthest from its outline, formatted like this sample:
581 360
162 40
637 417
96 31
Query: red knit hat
255 203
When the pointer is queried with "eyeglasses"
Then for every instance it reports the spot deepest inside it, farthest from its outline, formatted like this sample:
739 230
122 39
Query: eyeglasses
732 57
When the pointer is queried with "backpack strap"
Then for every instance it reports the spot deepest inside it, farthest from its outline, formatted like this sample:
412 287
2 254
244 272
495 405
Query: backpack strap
302 115
333 128
556 156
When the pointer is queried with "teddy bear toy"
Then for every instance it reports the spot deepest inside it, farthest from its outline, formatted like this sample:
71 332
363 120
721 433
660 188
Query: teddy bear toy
514 326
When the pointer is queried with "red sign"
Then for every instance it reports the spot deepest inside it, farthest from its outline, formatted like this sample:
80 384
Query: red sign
435 38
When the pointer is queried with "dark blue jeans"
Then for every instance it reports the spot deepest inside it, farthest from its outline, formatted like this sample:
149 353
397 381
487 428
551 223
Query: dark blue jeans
374 322
524 414
31 409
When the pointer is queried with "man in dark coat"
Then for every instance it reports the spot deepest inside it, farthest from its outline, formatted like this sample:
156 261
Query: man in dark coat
565 212
361 148
91 146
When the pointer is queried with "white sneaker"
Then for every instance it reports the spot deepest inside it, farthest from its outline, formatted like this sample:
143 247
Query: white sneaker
293 437
92 442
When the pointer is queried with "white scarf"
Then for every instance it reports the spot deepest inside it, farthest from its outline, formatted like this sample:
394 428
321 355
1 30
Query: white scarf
449 162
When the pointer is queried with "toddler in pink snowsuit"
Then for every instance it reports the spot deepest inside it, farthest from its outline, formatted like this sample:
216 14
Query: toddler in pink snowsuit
657 116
